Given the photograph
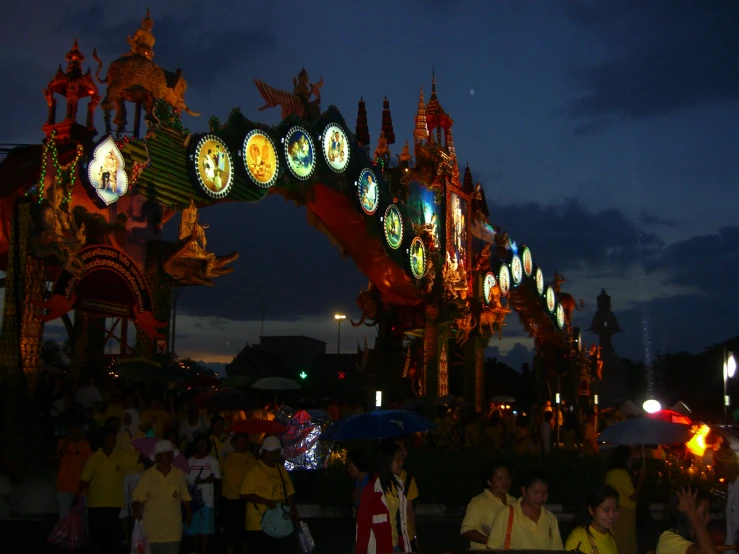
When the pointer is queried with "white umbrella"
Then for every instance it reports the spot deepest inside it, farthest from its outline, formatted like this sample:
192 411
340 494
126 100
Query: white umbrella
643 430
276 383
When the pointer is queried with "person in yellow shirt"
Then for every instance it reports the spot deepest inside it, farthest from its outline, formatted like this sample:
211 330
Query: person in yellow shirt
233 509
689 533
154 420
267 485
594 535
102 478
482 509
528 525
158 500
618 477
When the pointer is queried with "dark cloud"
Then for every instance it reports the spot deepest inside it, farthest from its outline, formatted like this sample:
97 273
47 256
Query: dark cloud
661 57
208 52
591 127
567 235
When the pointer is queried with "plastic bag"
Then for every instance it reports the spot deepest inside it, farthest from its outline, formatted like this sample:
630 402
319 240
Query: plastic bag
305 539
139 540
69 532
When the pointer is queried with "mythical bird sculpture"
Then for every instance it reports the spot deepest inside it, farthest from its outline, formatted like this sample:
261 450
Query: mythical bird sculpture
297 102
569 304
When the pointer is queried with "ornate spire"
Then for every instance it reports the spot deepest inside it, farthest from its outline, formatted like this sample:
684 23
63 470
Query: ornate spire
467 183
404 158
421 132
449 142
387 122
142 42
73 85
436 117
362 130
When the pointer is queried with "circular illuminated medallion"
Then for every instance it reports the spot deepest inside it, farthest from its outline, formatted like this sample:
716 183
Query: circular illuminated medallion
560 316
551 300
300 153
215 169
418 258
487 286
393 223
368 191
516 269
260 158
539 281
504 279
335 148
528 262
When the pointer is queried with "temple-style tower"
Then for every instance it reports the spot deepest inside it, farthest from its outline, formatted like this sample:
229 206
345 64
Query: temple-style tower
73 85
362 130
467 183
387 122
604 323
437 118
421 132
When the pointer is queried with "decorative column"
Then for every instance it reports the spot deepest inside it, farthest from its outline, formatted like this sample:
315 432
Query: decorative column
474 372
22 328
430 353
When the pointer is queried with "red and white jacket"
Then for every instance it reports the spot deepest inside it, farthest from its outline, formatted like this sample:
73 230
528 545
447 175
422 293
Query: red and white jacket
374 531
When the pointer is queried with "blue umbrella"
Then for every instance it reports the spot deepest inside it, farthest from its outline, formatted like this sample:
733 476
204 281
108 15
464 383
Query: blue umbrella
381 424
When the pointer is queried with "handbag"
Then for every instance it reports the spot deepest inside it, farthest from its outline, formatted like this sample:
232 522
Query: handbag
196 495
139 540
277 522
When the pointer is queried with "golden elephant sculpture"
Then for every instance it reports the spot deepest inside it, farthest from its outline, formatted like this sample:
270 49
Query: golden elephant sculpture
135 78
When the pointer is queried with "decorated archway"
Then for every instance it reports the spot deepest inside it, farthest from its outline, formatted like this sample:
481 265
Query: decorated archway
87 215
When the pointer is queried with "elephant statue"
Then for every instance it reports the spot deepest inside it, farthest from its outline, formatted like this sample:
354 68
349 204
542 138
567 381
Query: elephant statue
136 78
569 304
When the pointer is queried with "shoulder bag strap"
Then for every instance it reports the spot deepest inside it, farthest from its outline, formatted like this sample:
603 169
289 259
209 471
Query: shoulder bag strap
280 469
593 548
509 529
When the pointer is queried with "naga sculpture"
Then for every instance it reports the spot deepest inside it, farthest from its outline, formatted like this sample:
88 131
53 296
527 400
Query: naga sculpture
368 301
298 102
190 263
136 78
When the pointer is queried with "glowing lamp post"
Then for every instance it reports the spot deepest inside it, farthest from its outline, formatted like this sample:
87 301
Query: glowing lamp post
729 371
651 406
339 318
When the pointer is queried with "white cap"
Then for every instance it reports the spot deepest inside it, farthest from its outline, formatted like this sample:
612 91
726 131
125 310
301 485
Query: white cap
270 444
161 447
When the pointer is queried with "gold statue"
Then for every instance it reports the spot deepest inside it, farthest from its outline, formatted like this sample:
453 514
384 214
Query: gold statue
142 42
296 103
382 151
189 227
494 316
60 236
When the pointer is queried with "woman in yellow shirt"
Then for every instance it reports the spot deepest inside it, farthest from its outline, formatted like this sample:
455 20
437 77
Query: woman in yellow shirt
689 533
618 477
600 514
233 509
482 509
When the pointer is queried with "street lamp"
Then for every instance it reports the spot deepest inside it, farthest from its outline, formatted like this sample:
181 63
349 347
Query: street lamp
339 318
651 406
729 371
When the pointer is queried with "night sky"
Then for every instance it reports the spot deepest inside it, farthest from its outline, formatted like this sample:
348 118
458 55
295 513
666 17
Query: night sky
605 134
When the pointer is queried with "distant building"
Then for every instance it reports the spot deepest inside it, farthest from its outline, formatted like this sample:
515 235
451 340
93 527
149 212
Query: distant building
297 352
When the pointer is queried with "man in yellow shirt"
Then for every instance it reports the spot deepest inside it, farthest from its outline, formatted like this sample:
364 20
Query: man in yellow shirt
102 478
267 485
482 509
158 500
532 526
233 507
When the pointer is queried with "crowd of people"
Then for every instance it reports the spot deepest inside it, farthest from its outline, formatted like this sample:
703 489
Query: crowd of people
234 481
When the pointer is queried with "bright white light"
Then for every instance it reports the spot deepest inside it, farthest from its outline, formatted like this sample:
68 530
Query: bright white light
339 317
556 398
731 365
651 406
595 399
378 399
